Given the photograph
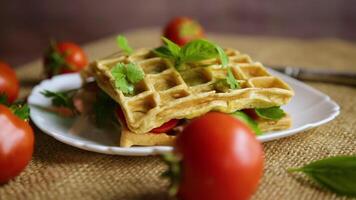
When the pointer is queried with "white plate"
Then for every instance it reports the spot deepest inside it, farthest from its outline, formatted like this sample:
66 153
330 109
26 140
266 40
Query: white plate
308 108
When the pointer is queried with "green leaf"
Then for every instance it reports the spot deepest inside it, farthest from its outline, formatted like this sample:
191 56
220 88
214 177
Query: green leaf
123 44
127 75
247 120
172 47
194 51
223 57
119 70
104 109
21 110
3 99
273 113
337 174
173 172
134 73
230 79
164 52
123 85
198 50
170 51
60 99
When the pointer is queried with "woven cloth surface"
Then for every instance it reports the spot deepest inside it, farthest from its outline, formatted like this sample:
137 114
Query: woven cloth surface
59 171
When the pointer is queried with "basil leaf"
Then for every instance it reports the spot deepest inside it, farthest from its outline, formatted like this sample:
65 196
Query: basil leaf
272 113
194 51
337 174
230 79
224 59
247 120
123 44
198 50
164 52
173 47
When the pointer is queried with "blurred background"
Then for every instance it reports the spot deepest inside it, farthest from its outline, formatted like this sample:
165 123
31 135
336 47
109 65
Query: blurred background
26 26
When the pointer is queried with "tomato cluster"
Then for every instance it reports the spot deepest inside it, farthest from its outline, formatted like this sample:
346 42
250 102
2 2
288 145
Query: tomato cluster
16 135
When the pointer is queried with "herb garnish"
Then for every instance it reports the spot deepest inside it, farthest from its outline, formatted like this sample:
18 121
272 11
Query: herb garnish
194 51
104 109
272 113
247 120
230 79
123 44
3 99
337 174
61 99
21 110
126 75
173 173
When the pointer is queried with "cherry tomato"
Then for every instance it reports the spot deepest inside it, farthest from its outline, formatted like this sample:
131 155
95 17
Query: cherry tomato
64 57
182 30
221 159
9 85
16 144
162 129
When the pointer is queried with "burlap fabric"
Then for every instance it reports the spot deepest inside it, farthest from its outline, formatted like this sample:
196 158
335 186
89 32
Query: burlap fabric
59 171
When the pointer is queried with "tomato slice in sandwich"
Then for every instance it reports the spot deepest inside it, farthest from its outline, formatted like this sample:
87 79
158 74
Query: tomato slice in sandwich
162 129
166 126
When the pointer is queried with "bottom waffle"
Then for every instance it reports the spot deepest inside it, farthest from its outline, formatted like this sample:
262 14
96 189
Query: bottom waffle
128 138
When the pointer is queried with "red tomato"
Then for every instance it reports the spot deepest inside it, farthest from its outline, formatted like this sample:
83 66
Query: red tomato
162 129
221 159
64 57
182 30
16 144
166 126
9 85
251 113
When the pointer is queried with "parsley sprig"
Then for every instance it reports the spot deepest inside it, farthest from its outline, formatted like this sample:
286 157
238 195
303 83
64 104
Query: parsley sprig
126 75
123 44
61 99
194 51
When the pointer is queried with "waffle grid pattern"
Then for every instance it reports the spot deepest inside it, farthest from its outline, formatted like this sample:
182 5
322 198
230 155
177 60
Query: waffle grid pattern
165 93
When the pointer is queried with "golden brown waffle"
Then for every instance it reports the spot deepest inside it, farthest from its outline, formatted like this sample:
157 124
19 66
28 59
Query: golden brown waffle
128 138
166 94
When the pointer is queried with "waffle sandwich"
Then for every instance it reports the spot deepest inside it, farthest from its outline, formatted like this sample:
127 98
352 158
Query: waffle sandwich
165 93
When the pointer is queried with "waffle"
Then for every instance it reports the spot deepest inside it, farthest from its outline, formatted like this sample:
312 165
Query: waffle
166 94
128 138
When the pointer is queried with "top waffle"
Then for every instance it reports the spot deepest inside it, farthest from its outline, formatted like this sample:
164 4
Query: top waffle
166 94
